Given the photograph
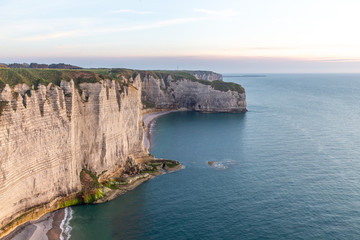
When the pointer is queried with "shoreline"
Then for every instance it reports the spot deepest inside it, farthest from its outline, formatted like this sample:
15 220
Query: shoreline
149 119
49 225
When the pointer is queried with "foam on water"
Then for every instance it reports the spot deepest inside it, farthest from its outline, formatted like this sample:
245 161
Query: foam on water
65 224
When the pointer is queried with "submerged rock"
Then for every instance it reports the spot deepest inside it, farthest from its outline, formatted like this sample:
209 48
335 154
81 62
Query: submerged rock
223 164
217 165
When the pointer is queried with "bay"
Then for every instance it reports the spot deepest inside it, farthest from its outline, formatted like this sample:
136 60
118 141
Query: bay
289 168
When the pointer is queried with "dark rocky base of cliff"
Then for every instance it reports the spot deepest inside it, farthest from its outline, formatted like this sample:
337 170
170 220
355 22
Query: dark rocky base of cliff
130 180
93 192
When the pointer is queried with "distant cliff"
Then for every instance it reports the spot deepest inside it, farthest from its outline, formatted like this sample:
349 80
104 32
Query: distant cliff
37 65
168 92
55 124
206 75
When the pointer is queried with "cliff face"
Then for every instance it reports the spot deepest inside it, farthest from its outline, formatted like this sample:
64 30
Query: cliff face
49 135
167 93
45 145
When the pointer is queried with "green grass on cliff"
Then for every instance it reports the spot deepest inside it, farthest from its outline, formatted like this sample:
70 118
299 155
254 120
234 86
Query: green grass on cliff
223 86
176 75
226 86
71 202
217 85
34 77
157 74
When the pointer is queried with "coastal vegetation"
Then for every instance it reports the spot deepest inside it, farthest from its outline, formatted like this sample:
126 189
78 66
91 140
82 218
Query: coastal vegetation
226 86
34 76
94 190
71 202
172 164
41 65
90 186
223 86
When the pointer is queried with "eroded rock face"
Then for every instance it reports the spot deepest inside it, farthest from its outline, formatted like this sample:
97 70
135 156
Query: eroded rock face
169 94
46 139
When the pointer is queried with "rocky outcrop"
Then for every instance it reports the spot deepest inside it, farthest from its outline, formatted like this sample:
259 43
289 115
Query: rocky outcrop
51 135
167 93
206 75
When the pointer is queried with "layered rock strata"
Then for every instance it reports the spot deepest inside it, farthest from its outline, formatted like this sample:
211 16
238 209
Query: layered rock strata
46 139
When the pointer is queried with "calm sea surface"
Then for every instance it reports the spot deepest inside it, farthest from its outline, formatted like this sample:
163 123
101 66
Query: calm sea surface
289 168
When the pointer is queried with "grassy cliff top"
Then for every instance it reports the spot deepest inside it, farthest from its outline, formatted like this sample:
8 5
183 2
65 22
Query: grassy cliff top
14 76
200 72
34 77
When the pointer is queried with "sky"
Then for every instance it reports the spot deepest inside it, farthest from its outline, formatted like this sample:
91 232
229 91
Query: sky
228 36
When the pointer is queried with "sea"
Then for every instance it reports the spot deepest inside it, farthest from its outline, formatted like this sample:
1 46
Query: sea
289 168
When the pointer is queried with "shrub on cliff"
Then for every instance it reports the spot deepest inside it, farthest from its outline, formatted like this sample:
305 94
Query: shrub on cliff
226 86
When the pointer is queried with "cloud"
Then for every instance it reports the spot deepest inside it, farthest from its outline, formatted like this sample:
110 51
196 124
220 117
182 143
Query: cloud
339 60
83 29
159 24
79 46
132 11
273 48
84 32
48 36
219 13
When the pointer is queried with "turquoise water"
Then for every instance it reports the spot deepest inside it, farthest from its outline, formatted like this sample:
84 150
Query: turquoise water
287 169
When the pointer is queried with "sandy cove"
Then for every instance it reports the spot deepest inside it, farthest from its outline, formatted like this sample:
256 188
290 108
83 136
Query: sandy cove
149 119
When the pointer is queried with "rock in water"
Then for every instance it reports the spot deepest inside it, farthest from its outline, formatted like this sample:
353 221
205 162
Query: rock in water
217 165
